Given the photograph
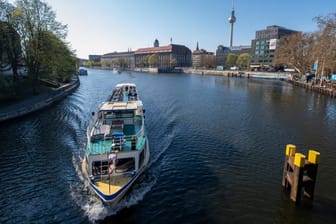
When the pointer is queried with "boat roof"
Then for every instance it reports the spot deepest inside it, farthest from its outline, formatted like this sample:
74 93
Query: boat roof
124 92
125 84
129 105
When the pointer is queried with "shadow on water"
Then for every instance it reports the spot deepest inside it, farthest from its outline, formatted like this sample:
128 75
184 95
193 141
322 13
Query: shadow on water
321 210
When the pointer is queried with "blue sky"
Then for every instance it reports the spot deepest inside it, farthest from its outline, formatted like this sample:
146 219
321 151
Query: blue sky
103 26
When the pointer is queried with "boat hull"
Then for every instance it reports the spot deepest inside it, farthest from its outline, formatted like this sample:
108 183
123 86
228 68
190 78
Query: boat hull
112 199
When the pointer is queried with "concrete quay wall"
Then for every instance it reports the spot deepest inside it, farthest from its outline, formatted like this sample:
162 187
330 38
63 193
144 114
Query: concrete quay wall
328 89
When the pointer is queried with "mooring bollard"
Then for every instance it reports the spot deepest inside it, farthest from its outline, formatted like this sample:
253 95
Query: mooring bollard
299 174
290 152
313 159
299 162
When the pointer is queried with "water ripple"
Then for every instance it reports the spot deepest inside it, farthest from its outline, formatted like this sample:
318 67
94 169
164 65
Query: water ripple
217 149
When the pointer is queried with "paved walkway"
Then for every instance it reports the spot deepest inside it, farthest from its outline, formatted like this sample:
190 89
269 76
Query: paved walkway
37 102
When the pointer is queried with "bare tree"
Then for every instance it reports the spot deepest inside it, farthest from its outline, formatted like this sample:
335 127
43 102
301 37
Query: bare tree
324 49
295 51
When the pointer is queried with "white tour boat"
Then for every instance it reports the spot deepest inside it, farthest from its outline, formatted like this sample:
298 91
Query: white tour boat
117 149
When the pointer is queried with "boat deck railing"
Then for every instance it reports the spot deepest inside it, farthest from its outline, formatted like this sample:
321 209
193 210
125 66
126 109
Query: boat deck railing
102 144
124 94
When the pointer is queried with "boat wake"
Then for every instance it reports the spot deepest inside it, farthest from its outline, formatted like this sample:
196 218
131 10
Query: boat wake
94 208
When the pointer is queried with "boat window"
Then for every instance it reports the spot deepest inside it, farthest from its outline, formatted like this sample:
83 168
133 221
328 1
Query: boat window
123 114
108 115
125 165
99 168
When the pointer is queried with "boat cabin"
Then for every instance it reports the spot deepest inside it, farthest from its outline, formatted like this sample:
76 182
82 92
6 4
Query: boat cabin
118 126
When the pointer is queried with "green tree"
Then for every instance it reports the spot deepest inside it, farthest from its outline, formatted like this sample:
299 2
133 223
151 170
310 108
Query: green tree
243 60
231 59
153 60
31 18
58 61
145 61
173 62
106 63
295 51
88 64
10 47
121 62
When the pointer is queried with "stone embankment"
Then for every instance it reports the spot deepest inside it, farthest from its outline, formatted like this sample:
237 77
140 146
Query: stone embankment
244 74
38 102
326 88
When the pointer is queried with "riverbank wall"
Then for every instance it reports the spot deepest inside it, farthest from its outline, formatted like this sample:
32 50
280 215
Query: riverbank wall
328 88
38 102
240 74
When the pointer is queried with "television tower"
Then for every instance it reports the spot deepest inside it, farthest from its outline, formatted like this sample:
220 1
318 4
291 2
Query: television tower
232 20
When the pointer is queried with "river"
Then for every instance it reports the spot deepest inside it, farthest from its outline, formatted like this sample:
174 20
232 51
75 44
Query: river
217 151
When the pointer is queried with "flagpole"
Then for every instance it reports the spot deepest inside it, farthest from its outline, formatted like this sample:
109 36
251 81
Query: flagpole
111 165
108 169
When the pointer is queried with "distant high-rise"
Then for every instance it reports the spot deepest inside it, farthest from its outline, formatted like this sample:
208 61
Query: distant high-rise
232 20
264 45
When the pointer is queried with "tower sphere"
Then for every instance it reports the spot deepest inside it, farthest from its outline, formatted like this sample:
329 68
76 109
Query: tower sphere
232 19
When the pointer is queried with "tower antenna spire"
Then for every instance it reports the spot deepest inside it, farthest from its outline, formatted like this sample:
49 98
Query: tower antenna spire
232 20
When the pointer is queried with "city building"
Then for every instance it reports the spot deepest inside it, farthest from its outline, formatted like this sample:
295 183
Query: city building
241 49
95 58
264 45
221 54
202 58
169 56
123 60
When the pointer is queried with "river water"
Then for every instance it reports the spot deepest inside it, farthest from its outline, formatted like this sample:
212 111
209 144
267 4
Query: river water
217 152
